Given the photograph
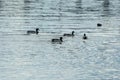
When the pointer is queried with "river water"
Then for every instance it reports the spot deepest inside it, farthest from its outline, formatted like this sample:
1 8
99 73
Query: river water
34 57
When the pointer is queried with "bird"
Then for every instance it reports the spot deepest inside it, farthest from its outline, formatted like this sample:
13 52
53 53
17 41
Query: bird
33 32
99 24
69 35
85 37
57 40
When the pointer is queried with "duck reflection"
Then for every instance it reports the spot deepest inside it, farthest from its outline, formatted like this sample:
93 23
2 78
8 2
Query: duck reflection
60 10
26 9
27 5
106 8
78 6
1 3
106 3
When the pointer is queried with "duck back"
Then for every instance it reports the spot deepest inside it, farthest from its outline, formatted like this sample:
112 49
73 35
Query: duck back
31 32
72 34
67 35
57 40
84 37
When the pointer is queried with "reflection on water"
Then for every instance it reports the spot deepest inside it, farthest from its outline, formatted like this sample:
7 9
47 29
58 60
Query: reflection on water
1 5
106 3
79 6
34 57
106 8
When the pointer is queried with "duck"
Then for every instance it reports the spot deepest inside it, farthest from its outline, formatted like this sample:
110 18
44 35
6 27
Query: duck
72 34
33 32
99 24
85 37
57 40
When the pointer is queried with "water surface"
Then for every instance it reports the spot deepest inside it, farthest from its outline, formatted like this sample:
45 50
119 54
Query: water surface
34 57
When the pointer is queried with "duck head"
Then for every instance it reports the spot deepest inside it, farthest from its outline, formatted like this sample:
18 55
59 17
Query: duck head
37 30
84 34
73 33
61 39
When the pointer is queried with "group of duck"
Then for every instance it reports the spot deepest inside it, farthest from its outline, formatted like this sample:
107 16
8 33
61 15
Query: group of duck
61 38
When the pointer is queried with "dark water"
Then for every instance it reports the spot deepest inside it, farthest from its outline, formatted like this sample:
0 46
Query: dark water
34 57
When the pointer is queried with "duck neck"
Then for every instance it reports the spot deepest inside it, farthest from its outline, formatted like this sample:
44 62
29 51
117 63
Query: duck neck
61 39
73 33
84 34
37 31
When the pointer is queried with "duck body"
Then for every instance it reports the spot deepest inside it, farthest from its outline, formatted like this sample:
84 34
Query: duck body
98 24
69 35
33 32
85 37
57 40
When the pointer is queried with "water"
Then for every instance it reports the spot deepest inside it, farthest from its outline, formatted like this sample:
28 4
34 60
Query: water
34 57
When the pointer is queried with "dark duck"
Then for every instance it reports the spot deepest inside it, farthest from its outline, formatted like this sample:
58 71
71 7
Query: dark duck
57 40
85 37
69 35
99 24
33 32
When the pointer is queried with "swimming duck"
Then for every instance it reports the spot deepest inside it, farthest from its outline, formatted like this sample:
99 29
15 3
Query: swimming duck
57 40
33 32
72 34
99 24
85 37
